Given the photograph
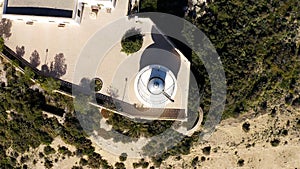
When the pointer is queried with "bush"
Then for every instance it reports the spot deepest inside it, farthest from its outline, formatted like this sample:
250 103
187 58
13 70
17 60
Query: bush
48 163
83 162
195 161
275 142
241 162
132 41
246 126
203 158
96 84
49 150
24 159
298 124
206 150
41 155
145 164
120 165
123 157
64 151
285 132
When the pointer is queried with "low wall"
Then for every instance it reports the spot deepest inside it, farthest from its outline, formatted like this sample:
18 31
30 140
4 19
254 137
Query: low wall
31 18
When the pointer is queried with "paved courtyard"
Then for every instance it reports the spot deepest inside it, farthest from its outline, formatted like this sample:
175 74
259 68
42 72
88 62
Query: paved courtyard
91 53
48 39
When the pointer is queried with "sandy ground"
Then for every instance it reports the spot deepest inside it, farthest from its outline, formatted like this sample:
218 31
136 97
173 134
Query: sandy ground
66 163
230 143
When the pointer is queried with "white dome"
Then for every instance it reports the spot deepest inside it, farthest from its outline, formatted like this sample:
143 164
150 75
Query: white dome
153 83
156 85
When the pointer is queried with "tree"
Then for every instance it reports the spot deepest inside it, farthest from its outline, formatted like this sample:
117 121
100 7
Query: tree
96 84
246 126
241 162
206 150
275 142
49 150
35 59
132 41
119 165
123 157
256 42
48 163
49 84
83 162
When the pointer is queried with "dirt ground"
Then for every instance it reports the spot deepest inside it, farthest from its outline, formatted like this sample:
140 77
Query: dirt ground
232 147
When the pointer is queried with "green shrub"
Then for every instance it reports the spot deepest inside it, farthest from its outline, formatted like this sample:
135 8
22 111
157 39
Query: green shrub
206 150
83 162
64 150
246 126
49 150
123 157
96 84
132 41
298 124
240 162
48 163
119 165
275 142
195 161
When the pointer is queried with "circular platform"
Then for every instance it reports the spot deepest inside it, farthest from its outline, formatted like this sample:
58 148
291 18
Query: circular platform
155 86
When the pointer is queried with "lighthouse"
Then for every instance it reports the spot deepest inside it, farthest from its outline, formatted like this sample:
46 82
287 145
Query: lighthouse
155 86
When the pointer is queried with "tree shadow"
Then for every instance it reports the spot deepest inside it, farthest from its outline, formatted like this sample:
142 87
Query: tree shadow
45 69
35 59
20 51
57 68
164 6
132 33
172 7
5 28
85 83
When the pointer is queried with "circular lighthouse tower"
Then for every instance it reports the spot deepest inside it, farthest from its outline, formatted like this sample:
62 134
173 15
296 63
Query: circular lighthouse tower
155 86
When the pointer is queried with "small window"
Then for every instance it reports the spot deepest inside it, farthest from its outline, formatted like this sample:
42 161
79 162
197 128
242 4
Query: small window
78 13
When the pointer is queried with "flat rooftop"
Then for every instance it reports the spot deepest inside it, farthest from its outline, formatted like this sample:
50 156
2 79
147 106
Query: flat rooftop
51 8
53 4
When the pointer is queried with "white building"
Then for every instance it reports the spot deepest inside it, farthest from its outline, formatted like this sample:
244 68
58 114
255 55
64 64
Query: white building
56 11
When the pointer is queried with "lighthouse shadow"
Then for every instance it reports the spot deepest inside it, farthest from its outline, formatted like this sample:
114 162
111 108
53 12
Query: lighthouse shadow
161 52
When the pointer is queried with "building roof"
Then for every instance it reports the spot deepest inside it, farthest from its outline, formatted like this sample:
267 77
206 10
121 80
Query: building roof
54 4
